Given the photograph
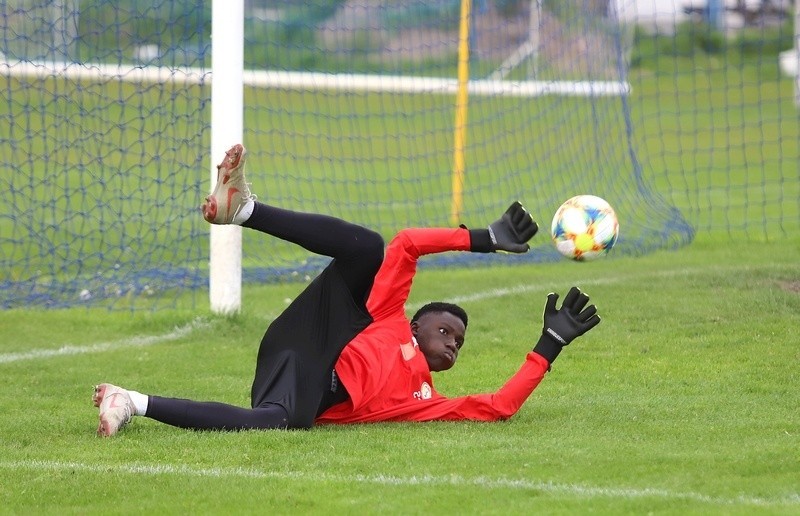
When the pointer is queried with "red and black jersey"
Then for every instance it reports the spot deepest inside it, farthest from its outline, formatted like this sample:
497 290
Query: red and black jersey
384 372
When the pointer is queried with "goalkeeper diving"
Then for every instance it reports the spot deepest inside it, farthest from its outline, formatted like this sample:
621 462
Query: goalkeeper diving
344 351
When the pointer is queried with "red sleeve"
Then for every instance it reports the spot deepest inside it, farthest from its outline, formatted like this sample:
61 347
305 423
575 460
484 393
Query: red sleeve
480 407
486 407
393 281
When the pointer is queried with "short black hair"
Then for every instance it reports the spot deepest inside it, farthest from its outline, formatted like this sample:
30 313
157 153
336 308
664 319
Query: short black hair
442 307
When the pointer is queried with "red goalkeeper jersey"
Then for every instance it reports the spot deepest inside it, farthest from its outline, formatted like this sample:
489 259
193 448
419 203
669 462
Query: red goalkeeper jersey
387 376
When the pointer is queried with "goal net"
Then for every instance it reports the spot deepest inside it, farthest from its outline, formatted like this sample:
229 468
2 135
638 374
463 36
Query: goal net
349 109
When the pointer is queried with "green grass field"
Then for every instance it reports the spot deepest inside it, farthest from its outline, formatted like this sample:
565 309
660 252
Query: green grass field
683 401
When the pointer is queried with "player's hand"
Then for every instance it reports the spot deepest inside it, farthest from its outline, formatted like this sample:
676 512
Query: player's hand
562 326
512 231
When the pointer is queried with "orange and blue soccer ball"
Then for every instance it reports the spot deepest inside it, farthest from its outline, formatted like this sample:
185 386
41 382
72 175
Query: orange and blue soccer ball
584 228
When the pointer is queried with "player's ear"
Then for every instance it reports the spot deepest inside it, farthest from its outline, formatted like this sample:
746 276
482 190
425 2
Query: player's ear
414 328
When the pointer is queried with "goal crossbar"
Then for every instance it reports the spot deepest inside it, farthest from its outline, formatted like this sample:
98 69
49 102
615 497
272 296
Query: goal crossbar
316 80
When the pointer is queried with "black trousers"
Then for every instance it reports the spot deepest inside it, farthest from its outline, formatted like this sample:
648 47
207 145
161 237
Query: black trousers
294 368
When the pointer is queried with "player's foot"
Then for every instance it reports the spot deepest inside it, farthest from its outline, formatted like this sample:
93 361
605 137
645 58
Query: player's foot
232 192
116 408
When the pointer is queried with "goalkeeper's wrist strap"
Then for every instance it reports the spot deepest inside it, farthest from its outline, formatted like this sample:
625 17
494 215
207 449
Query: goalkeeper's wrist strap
480 241
548 347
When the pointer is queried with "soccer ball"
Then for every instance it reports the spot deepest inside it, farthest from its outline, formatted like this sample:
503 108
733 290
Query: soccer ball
585 227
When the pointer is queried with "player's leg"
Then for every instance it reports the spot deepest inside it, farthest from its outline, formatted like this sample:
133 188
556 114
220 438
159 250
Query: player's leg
300 348
118 406
209 415
358 251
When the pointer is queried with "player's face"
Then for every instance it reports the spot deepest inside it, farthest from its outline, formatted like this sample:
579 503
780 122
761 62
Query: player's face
440 336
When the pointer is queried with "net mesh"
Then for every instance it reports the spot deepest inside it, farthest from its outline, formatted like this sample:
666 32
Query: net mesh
350 111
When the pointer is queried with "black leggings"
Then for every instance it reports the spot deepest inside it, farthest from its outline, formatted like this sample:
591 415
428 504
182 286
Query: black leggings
358 251
305 375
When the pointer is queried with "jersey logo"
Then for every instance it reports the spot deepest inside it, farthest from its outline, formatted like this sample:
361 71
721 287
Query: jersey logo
424 392
408 351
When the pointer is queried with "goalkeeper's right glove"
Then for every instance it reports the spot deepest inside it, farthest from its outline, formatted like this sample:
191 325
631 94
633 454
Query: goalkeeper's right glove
565 325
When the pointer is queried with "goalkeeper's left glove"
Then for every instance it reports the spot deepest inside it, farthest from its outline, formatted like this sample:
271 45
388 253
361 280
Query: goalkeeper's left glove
565 325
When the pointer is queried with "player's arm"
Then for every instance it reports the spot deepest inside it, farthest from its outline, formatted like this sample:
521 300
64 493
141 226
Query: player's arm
393 282
392 285
495 406
509 233
561 326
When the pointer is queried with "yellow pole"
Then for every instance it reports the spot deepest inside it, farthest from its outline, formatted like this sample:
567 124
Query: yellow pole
460 136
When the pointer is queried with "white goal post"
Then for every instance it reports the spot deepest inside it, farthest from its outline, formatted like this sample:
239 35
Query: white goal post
227 120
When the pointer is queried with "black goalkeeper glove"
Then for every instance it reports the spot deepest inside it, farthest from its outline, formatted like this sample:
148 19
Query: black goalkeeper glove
565 325
510 232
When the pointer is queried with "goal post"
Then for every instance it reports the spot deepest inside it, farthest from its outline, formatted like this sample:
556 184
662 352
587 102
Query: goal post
227 121
461 109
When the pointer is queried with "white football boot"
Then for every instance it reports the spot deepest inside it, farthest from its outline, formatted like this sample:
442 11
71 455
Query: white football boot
116 408
231 192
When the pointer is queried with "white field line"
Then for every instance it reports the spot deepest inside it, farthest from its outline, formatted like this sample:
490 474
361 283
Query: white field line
458 481
137 341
